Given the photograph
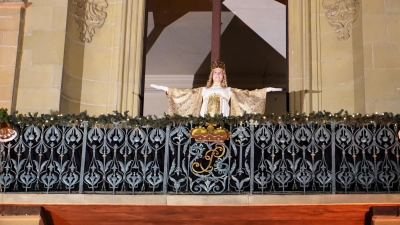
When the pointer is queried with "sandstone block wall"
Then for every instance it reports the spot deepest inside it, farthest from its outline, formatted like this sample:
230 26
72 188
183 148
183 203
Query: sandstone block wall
42 57
360 73
10 14
381 31
44 68
90 71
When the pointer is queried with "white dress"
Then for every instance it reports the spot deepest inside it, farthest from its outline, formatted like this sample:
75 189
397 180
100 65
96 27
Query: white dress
215 101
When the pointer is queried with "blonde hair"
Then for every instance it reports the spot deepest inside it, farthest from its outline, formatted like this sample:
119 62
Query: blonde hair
224 82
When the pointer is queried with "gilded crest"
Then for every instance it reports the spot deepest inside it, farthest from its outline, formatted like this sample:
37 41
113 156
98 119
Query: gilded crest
211 134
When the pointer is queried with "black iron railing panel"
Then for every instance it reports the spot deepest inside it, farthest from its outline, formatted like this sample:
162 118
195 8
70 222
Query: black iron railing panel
367 158
293 158
124 159
256 159
42 159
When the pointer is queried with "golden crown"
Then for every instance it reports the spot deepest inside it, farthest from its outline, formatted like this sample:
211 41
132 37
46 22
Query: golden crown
210 134
217 64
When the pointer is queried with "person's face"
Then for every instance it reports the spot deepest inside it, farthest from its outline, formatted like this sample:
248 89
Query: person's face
218 75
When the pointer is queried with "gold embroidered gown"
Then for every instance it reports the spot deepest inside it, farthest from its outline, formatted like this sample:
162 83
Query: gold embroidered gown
215 101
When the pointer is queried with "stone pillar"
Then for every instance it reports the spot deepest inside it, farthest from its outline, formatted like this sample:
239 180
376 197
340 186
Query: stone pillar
299 56
131 58
39 83
103 57
381 31
89 80
11 28
338 56
326 56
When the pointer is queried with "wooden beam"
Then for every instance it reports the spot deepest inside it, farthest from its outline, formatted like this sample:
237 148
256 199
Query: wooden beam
282 1
344 214
216 30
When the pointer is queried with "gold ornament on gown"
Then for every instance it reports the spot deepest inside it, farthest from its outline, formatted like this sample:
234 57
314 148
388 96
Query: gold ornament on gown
247 101
184 102
188 102
214 105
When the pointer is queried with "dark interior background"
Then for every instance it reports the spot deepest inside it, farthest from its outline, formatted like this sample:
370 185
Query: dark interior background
251 62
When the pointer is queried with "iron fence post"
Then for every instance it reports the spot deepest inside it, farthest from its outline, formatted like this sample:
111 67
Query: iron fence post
83 157
333 153
251 156
166 160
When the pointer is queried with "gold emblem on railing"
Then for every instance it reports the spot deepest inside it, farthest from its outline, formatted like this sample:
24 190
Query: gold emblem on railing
210 134
216 152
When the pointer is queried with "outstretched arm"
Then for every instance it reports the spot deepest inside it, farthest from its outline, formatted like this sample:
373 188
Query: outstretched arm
164 88
273 89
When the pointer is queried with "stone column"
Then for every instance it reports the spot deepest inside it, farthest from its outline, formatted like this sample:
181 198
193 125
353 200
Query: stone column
338 57
326 56
131 57
39 83
89 80
11 29
381 31
103 55
299 56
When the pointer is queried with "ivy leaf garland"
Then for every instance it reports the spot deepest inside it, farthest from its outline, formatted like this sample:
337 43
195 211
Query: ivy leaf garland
159 122
4 117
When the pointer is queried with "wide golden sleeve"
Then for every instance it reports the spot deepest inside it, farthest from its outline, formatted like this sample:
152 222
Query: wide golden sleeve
184 102
247 101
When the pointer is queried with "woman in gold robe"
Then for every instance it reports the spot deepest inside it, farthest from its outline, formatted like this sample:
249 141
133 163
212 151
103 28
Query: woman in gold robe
215 97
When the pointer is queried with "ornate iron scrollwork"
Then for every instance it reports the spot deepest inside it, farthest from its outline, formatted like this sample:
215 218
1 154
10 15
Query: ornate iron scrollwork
263 158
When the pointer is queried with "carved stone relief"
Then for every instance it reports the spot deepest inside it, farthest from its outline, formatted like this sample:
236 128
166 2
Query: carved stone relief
89 15
341 14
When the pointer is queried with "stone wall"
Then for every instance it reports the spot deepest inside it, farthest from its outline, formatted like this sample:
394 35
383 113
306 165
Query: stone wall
10 31
91 58
48 63
359 73
337 57
38 88
381 31
349 63
102 64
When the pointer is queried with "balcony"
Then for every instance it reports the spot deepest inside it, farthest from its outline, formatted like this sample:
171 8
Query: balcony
146 162
257 157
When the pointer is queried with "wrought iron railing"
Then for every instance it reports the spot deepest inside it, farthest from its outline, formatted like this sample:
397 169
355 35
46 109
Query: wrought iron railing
257 159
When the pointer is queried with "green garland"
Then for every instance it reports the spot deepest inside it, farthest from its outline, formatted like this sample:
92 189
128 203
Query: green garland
3 115
153 121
